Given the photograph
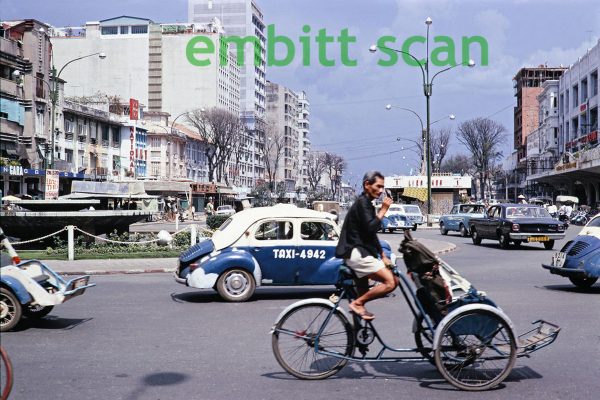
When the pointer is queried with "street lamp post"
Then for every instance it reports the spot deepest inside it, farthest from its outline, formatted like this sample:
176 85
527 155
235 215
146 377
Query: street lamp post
427 90
54 96
423 131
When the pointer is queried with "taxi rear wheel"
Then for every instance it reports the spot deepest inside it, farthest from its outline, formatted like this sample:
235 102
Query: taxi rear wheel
582 282
236 285
549 244
10 310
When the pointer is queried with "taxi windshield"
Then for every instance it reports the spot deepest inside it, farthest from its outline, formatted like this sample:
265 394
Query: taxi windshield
412 209
526 212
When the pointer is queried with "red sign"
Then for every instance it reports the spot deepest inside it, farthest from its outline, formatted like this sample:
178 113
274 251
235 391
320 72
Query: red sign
592 137
134 109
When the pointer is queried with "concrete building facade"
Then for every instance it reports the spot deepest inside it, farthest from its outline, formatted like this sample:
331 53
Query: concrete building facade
148 61
303 138
576 170
243 18
283 110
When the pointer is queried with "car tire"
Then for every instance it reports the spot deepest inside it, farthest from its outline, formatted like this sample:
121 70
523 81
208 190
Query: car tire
504 240
391 230
518 243
37 311
414 228
10 310
583 283
464 232
443 230
549 245
475 237
236 285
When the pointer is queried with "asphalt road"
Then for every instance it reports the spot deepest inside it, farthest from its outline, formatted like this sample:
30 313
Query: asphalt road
146 337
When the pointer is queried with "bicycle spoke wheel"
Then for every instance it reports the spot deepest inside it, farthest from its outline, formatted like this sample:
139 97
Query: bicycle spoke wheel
424 339
295 342
476 350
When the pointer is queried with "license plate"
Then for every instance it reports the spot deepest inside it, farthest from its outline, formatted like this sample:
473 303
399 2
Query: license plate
80 282
558 259
538 239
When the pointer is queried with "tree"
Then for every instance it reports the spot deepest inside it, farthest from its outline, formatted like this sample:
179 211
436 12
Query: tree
482 137
458 164
273 150
315 167
334 166
222 131
440 141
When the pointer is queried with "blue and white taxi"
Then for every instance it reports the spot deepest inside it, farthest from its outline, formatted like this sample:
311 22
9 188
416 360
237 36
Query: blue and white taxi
280 245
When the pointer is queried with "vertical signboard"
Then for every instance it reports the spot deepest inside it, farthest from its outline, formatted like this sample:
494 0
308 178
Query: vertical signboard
134 109
51 191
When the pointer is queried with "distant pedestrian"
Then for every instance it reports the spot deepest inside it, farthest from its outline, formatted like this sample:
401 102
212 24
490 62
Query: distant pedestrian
522 199
210 207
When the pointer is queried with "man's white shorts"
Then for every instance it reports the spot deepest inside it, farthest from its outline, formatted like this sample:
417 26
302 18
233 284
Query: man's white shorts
363 266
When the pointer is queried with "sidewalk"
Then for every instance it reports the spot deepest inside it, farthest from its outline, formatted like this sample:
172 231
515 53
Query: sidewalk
162 265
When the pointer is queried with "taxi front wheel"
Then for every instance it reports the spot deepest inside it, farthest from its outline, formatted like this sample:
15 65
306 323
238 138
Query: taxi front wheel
236 285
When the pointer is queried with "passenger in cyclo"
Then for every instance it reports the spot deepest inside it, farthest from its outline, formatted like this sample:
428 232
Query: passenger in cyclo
360 247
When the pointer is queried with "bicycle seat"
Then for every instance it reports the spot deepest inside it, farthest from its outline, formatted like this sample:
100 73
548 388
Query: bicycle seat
346 272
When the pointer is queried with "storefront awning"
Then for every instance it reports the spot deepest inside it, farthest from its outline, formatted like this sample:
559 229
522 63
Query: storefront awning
416 193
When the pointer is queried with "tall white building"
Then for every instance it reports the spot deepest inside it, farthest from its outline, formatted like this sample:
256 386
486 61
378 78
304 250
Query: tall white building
303 138
149 62
282 109
243 18
239 18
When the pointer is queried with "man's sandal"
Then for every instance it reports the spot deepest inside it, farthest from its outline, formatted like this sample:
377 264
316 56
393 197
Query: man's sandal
367 316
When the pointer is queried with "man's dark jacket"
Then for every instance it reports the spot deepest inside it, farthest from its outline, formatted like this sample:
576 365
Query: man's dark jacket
360 230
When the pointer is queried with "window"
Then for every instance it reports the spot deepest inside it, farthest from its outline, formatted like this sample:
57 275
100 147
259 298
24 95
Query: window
137 29
317 231
110 30
584 90
39 85
575 96
275 230
594 83
124 30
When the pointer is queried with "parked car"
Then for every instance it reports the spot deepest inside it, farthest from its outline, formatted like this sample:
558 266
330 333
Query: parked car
459 217
517 223
279 245
401 216
579 259
225 210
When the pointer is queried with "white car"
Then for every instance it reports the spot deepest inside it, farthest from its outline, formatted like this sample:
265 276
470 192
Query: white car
225 210
401 216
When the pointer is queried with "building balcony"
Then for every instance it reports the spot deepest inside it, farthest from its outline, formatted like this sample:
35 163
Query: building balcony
9 87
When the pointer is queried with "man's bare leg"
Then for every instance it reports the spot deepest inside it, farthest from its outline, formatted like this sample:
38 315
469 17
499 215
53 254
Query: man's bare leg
388 284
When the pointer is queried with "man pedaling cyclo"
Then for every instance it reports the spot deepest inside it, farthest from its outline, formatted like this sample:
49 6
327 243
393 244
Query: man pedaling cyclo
360 247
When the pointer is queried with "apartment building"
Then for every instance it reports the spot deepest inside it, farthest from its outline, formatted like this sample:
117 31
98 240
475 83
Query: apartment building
243 18
303 138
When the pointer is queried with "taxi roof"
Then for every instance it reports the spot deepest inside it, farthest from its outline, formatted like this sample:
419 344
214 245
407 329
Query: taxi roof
242 220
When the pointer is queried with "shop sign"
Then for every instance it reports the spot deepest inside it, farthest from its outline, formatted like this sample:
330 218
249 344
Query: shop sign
51 192
15 170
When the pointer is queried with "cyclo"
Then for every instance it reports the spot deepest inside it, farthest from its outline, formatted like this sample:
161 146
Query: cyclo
465 335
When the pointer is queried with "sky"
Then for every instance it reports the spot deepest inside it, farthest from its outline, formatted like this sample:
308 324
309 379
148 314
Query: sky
347 111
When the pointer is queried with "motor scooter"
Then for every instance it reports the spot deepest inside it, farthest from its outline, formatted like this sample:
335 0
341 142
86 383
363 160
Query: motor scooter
31 288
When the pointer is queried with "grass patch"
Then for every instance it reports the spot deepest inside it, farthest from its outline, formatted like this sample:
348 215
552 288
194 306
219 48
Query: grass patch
42 255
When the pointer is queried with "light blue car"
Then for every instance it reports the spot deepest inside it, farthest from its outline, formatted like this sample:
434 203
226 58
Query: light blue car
459 217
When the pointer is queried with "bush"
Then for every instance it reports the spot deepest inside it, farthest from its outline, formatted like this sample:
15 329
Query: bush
214 221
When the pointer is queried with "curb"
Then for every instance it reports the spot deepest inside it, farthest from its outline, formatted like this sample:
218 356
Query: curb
119 272
448 249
